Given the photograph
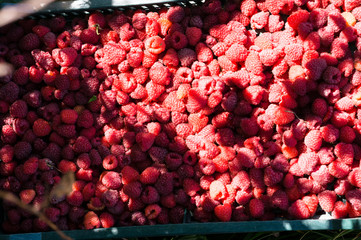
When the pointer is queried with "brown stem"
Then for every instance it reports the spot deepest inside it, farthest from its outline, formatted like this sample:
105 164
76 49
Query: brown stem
15 200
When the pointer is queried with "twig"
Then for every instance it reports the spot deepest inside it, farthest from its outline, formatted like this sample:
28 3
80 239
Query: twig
15 200
6 69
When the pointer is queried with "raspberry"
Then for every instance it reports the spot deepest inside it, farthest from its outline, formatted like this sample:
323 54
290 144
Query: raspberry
339 169
223 212
31 165
353 197
217 190
139 20
113 53
145 140
159 74
191 187
29 42
272 177
18 109
40 30
298 17
299 210
235 37
6 153
311 202
33 99
65 57
107 220
274 23
339 48
171 58
111 180
226 64
150 195
259 20
91 220
212 7
83 161
344 152
196 101
246 157
199 69
178 40
236 53
135 57
186 57
280 115
22 150
279 200
41 128
254 94
152 211
256 208
241 181
313 140
75 198
253 63
293 52
248 7
344 104
268 57
194 35
206 166
308 162
318 17
327 200
27 195
133 189
335 21
66 130
340 210
82 145
152 27
356 12
175 14
347 134
165 25
155 45
321 175
164 184
116 21
108 99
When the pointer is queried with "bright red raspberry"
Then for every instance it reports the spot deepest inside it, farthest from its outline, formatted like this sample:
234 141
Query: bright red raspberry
299 210
91 220
223 212
298 17
308 162
155 45
112 180
327 200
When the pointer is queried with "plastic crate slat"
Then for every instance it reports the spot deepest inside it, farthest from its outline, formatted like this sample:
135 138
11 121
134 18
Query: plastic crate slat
26 236
199 228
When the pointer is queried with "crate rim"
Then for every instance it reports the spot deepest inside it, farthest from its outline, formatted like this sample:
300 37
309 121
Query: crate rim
208 228
58 7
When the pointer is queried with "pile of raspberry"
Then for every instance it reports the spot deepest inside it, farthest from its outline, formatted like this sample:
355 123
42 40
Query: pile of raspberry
235 112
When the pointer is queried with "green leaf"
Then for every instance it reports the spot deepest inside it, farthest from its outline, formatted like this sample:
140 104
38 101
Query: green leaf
92 99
